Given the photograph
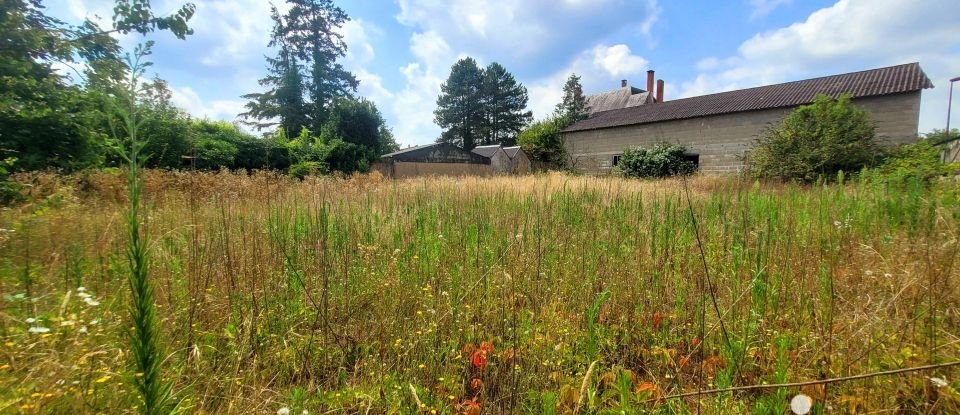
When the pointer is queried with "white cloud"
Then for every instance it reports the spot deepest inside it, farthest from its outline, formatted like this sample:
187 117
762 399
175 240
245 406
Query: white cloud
188 100
762 8
617 60
847 36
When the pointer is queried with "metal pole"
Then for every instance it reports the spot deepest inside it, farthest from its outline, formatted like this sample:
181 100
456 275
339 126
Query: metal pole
955 147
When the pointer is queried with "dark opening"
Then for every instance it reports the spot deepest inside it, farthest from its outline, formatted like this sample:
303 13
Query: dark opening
692 157
616 159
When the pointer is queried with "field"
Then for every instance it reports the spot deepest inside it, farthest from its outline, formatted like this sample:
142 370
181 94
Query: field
542 294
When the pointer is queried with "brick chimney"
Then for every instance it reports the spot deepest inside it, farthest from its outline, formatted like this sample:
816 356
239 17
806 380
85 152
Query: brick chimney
659 90
650 81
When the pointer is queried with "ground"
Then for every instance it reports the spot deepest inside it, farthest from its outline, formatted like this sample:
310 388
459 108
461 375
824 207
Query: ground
539 294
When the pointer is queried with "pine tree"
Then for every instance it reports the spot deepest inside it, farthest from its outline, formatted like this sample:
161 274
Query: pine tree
460 105
573 107
283 103
504 104
304 78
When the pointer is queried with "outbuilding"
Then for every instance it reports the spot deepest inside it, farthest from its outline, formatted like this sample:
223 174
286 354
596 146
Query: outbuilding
499 160
719 130
519 162
437 159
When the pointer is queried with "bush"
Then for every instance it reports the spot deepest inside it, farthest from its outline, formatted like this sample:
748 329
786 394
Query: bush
542 142
920 161
661 160
306 168
817 140
9 189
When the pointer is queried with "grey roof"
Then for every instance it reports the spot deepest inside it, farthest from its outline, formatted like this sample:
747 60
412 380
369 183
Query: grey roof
409 149
512 151
874 82
624 97
486 151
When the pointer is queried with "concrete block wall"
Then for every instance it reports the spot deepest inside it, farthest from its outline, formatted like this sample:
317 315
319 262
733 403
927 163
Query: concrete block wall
722 141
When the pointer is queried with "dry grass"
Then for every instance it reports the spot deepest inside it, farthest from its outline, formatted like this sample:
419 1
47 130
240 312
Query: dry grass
340 294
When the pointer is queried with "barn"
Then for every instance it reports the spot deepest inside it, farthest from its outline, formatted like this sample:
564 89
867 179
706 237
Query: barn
719 129
437 159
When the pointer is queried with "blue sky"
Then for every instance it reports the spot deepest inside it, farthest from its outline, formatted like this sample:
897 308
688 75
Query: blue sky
401 50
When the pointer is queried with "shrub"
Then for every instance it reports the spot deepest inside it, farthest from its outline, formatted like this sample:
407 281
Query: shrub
306 168
817 140
542 142
9 189
920 160
661 160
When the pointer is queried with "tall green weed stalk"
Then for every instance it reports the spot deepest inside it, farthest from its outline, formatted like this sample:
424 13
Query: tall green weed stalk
155 394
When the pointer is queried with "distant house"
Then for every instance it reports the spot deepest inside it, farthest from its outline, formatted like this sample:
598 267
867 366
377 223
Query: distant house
499 160
719 129
438 159
519 162
624 97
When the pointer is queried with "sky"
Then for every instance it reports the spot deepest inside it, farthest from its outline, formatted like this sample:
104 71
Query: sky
402 50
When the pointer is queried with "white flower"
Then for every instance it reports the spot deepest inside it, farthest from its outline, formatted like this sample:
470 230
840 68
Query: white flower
83 330
83 295
283 411
31 320
94 322
939 382
305 412
91 302
801 404
81 289
38 330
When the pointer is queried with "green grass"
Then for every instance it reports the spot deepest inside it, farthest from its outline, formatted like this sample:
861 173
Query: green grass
339 295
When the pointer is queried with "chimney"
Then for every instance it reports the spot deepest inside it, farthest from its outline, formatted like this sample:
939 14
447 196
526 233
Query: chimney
623 83
650 81
659 90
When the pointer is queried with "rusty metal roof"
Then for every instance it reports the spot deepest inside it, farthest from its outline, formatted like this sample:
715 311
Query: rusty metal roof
874 82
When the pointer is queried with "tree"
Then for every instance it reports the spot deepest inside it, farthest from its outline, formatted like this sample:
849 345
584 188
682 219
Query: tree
460 105
504 105
359 122
542 142
165 128
283 104
661 160
304 79
817 140
574 106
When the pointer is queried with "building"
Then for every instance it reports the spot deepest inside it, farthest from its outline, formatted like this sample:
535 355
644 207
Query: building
519 162
499 160
438 159
719 129
624 97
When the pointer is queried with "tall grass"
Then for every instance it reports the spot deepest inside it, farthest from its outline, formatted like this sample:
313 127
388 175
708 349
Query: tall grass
341 294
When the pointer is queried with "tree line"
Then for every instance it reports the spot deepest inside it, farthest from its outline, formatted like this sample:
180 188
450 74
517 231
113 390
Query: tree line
55 120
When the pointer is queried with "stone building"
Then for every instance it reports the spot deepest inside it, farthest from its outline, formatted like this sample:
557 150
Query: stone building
438 159
719 129
499 160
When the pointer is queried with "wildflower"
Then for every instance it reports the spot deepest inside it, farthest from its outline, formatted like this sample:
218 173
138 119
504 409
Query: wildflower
939 382
38 330
304 412
31 320
81 289
486 347
103 379
801 404
657 320
479 359
91 302
283 411
471 406
476 384
82 330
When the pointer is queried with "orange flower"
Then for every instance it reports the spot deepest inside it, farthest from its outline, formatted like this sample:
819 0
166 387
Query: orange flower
471 406
479 359
657 320
695 342
476 384
487 347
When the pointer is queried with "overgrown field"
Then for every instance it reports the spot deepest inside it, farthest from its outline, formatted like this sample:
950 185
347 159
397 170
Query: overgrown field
485 295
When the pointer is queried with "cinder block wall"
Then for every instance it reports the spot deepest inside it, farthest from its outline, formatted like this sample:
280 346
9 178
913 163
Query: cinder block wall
722 140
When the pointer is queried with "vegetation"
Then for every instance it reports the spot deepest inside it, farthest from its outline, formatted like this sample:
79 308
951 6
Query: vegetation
817 141
573 107
481 106
356 295
661 160
921 161
543 142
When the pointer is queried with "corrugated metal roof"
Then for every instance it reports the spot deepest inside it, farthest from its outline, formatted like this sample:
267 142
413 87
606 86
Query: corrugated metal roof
409 149
874 82
618 98
486 151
